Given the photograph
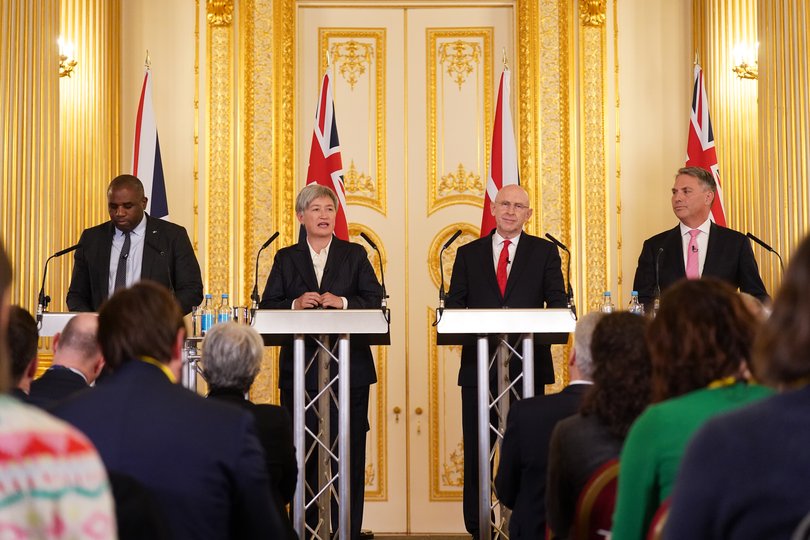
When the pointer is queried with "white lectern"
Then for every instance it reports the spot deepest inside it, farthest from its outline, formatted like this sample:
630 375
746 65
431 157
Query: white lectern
463 326
53 323
279 327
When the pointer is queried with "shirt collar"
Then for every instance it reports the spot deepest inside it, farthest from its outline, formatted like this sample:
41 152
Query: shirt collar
325 250
498 239
139 230
704 227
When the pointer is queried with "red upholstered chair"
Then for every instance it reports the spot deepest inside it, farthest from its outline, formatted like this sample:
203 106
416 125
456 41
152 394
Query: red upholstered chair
594 514
656 531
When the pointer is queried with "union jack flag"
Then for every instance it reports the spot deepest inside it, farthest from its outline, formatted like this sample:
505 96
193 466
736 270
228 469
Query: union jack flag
700 150
325 164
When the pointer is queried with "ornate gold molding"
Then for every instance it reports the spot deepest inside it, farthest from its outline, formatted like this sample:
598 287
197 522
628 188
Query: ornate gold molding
592 12
353 51
284 154
468 234
456 51
219 12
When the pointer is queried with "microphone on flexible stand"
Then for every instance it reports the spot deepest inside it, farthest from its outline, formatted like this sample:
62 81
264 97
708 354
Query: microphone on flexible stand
384 300
657 290
767 247
254 296
560 245
43 299
442 294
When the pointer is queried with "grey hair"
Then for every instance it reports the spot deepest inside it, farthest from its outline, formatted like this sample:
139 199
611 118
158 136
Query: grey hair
582 342
231 356
310 193
704 177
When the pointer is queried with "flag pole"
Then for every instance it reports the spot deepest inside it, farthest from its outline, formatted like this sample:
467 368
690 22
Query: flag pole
148 62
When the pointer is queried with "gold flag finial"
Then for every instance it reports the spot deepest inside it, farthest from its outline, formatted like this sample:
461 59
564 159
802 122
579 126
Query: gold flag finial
148 61
505 60
697 58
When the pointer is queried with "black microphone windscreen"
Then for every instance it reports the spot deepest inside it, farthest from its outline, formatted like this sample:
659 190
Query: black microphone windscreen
452 239
365 237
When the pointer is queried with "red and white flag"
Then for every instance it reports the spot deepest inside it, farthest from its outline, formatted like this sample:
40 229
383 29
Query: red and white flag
146 162
325 164
503 165
700 150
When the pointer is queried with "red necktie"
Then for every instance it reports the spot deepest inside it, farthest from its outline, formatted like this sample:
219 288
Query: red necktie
503 260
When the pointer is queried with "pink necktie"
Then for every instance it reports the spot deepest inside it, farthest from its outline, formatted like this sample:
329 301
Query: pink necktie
503 260
693 256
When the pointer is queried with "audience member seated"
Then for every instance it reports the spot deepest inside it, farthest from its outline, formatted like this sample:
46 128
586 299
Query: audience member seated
53 481
77 361
745 474
581 444
201 460
521 478
699 343
23 337
231 358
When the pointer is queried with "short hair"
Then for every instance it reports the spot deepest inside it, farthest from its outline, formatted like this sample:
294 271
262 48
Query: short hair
780 351
703 332
621 372
127 181
231 356
79 339
142 320
5 284
23 337
703 176
310 193
582 342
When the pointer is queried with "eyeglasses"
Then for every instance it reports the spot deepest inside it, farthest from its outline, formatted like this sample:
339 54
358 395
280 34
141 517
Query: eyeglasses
518 207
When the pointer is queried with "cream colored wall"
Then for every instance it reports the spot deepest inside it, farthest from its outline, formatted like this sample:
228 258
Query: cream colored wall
655 84
166 29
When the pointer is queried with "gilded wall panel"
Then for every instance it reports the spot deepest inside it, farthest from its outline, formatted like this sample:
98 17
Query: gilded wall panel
220 150
468 234
359 57
377 441
459 100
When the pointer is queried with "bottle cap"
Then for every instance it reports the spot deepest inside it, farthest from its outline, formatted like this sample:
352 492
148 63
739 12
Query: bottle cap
208 295
633 293
607 293
224 295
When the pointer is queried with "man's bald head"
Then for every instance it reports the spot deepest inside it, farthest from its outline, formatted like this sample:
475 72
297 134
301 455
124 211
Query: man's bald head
77 346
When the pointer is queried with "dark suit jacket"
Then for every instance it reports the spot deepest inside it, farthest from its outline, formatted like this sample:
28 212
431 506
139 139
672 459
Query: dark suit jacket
56 384
728 257
199 458
521 478
348 273
168 259
274 428
535 281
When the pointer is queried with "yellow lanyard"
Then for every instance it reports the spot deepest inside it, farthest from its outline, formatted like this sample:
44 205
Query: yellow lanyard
731 380
160 365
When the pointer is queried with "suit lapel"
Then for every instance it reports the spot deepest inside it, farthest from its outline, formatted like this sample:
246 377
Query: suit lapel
711 251
673 253
337 254
303 263
149 262
486 255
103 275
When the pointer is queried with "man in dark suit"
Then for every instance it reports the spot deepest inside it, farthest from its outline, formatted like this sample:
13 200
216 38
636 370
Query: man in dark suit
521 478
507 268
323 271
199 459
231 358
130 247
77 362
697 246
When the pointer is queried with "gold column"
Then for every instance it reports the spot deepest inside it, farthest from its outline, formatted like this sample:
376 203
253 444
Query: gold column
719 26
29 138
220 149
89 128
784 121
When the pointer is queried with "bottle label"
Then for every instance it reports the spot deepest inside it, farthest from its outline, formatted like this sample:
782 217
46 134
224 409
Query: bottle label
223 317
207 322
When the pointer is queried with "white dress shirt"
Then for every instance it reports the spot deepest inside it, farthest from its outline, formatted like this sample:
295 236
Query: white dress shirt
497 247
135 258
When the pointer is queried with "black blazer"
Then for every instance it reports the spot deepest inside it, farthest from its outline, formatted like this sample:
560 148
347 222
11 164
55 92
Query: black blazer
201 459
168 259
347 273
56 384
535 281
728 257
521 478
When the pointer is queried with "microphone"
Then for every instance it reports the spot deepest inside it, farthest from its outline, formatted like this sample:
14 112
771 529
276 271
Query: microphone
254 296
657 290
384 301
560 245
768 248
694 249
441 269
162 253
43 299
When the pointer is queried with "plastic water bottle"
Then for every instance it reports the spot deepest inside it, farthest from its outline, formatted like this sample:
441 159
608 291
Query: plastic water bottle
635 306
224 313
607 303
206 315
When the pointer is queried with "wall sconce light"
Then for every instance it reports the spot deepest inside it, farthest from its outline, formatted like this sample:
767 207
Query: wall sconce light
745 60
67 60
